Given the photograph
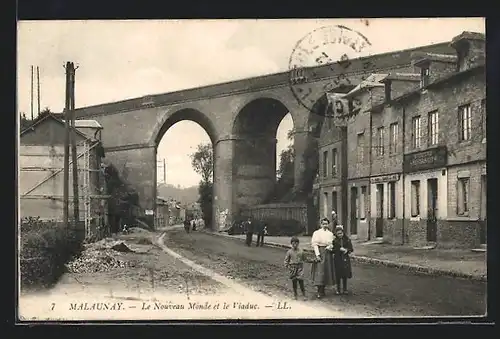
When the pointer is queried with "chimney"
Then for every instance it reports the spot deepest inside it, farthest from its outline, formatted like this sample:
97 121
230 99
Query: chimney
433 66
398 84
470 47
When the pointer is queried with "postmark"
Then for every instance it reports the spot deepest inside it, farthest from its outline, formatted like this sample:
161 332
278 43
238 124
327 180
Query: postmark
334 46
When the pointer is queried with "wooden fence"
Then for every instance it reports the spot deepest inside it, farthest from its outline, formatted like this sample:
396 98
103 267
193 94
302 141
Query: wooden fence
283 211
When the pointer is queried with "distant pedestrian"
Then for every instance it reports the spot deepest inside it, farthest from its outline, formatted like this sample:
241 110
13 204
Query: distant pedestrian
334 220
187 225
261 233
322 270
249 229
294 262
193 224
342 248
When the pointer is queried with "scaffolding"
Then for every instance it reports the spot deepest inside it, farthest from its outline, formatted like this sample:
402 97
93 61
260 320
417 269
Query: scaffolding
91 188
86 190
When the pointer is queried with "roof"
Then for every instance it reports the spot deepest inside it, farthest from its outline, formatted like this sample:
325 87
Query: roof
402 77
52 117
421 57
87 124
435 83
372 63
467 36
374 80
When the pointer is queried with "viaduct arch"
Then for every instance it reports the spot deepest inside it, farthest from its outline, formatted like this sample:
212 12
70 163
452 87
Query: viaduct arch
241 119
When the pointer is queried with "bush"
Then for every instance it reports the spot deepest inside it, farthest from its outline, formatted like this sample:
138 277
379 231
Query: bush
45 248
237 225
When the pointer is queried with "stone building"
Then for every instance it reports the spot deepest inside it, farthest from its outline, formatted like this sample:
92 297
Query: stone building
415 152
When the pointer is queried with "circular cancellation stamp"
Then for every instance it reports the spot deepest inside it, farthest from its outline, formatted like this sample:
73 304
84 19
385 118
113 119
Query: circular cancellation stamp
323 46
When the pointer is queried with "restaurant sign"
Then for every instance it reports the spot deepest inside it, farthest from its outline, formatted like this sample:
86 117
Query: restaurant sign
384 178
428 159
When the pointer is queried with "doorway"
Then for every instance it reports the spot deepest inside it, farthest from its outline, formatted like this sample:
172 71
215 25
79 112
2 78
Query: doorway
482 217
354 209
432 189
379 222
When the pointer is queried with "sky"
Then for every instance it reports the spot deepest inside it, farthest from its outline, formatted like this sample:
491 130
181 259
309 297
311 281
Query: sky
124 59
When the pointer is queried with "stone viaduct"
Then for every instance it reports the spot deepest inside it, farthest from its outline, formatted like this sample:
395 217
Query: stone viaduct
241 118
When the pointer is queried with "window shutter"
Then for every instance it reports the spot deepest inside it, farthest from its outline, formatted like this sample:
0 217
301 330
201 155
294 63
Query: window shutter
413 200
460 202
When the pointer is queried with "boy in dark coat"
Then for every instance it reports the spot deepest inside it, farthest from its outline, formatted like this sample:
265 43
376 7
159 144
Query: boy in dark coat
249 229
260 234
342 247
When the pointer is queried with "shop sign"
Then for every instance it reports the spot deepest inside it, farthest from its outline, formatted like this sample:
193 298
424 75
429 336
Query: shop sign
428 159
384 178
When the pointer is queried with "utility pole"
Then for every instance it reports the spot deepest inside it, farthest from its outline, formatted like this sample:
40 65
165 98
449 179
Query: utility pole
38 87
66 148
164 172
31 93
76 200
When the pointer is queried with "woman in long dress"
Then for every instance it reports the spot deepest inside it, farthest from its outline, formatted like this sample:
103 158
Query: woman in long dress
322 271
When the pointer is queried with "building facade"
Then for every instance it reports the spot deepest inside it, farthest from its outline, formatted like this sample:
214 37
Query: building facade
416 152
41 162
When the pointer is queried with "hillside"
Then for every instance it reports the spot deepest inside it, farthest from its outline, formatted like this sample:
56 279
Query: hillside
186 195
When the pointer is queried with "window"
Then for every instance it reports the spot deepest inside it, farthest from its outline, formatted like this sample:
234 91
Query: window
463 196
325 164
415 198
361 147
393 137
392 200
325 205
334 202
416 132
362 203
433 128
424 76
462 57
380 141
465 122
388 91
334 162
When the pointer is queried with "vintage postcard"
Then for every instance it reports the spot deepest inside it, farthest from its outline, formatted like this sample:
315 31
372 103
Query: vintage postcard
251 169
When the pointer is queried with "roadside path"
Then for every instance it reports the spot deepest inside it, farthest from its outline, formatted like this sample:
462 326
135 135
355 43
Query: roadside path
455 263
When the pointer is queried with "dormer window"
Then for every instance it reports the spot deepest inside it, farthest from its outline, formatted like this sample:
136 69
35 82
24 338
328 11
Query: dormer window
388 91
424 76
462 53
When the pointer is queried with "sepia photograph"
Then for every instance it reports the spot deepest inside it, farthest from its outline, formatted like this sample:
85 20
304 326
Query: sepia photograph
251 169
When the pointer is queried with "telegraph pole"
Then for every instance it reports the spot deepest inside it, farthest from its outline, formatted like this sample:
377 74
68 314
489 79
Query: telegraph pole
66 147
164 172
38 87
76 200
31 93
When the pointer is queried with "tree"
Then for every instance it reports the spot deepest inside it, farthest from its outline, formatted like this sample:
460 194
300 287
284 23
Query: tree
287 157
205 191
203 162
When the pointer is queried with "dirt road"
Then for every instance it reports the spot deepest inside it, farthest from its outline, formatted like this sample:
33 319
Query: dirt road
376 290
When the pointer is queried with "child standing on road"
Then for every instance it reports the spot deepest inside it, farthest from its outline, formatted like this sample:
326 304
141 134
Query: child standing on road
294 261
342 248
